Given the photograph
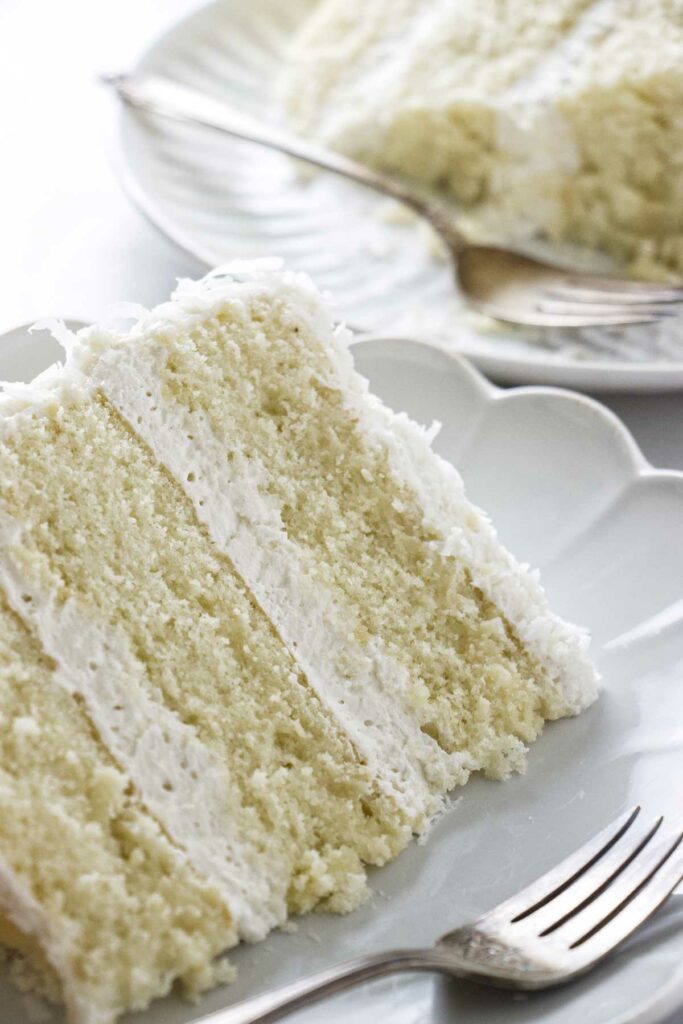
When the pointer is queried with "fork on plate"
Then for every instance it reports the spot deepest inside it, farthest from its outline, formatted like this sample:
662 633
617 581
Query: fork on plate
499 282
553 930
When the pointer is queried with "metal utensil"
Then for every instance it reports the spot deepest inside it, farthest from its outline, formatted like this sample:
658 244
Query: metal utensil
557 928
499 282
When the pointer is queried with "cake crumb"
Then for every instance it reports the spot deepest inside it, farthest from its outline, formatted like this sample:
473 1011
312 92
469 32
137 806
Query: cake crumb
207 976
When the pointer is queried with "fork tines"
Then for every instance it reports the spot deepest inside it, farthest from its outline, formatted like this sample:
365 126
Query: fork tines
597 289
604 296
600 894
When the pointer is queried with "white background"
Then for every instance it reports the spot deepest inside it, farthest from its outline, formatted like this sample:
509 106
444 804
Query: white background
71 244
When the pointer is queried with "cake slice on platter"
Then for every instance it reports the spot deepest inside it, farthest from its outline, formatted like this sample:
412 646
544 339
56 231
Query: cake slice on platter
251 632
557 118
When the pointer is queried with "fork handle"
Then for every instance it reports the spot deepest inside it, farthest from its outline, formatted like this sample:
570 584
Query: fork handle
274 1005
166 98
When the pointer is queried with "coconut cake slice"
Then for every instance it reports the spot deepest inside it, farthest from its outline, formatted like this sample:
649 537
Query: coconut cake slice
251 632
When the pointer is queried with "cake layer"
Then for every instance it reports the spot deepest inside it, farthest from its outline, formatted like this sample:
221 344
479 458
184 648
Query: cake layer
91 891
254 604
559 118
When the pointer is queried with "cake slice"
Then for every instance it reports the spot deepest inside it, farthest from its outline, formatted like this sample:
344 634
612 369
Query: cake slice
251 632
559 118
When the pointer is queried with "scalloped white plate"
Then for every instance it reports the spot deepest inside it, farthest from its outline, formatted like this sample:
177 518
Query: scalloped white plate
571 494
218 198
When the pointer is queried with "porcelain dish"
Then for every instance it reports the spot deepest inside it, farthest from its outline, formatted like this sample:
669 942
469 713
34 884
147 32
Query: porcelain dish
571 494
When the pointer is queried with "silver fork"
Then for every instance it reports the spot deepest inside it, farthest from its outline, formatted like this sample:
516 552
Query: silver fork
499 282
557 928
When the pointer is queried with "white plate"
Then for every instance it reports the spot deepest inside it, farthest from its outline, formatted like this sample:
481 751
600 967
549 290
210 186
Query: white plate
218 198
571 494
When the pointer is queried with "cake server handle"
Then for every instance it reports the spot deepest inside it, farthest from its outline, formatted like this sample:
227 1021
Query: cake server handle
164 97
274 1005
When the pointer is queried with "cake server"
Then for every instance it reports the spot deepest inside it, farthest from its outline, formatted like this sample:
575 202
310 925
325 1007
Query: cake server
501 283
557 928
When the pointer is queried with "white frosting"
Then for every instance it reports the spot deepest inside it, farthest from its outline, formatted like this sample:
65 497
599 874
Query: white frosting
180 782
362 686
558 69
